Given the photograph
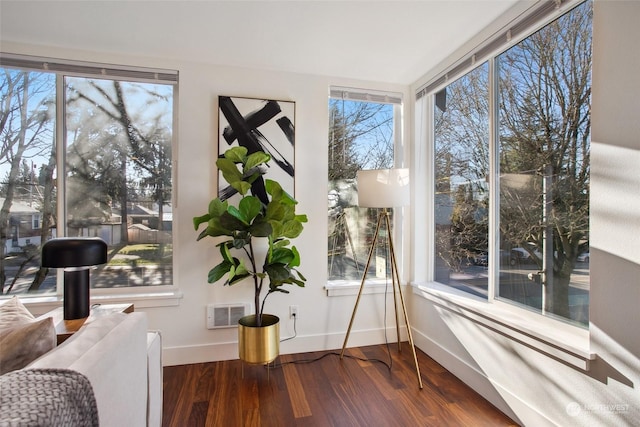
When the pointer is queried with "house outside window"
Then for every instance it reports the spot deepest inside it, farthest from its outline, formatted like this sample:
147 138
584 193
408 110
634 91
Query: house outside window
511 141
36 222
87 153
363 134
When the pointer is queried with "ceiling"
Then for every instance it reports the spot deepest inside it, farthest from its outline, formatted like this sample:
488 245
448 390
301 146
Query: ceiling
388 41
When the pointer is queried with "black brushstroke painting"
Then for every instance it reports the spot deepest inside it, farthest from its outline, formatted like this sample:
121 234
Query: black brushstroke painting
259 125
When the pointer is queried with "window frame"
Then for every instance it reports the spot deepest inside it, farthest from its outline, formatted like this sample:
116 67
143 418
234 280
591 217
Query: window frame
556 338
400 220
147 296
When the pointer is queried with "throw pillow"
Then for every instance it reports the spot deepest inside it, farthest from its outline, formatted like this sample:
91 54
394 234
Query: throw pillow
13 313
24 343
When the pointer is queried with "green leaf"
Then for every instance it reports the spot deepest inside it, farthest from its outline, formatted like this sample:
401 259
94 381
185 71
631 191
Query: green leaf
280 243
291 229
282 255
256 159
302 278
240 242
197 220
217 207
274 189
236 154
215 228
242 186
237 272
300 283
218 272
275 211
249 207
225 252
277 229
277 272
229 170
241 269
261 228
251 175
295 262
238 277
234 212
230 222
277 193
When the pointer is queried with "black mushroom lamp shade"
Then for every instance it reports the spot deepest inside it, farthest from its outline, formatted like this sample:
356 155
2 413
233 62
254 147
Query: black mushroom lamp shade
76 255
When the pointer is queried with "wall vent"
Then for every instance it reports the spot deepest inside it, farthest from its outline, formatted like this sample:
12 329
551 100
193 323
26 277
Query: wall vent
225 315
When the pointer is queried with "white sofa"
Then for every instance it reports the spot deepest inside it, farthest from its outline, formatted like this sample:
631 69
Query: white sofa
123 362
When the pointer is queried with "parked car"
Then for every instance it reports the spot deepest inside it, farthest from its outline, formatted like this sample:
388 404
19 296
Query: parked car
583 257
481 259
521 256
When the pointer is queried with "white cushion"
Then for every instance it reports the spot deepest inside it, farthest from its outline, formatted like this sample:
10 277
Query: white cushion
112 353
13 312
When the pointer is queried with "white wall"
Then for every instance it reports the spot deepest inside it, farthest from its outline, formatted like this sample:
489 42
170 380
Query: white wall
533 388
322 320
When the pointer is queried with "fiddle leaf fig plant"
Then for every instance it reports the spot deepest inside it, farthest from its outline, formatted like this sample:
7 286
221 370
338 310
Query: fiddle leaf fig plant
265 212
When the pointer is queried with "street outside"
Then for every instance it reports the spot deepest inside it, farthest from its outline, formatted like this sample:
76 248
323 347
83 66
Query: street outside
106 276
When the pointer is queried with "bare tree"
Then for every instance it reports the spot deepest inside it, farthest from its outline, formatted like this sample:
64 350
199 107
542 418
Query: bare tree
545 93
461 166
119 136
360 137
26 132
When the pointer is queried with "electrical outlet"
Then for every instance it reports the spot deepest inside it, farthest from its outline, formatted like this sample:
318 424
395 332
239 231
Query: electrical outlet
293 311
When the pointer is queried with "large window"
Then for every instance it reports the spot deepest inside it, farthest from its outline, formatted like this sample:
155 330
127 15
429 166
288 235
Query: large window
85 153
461 141
511 161
363 134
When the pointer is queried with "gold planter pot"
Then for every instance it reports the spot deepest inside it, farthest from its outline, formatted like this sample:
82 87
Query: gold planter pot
259 345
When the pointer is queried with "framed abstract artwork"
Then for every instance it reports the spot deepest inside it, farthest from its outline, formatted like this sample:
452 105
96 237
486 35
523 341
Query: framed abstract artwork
259 125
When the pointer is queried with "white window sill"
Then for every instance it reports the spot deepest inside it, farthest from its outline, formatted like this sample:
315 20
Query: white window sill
336 288
140 297
566 343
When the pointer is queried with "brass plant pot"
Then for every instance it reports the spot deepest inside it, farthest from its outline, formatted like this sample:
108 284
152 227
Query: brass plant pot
259 345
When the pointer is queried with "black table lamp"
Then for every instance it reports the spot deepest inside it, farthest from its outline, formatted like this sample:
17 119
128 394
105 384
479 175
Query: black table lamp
76 255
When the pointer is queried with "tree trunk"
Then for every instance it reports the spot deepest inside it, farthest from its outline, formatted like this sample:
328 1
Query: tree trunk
558 297
48 216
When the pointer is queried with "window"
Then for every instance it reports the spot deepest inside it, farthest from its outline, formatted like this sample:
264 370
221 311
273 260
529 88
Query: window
461 155
362 135
109 176
511 173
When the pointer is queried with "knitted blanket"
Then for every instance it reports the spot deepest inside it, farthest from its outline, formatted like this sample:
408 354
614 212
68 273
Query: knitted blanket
47 397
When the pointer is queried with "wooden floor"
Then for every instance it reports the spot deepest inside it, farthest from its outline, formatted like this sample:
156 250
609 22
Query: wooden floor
324 392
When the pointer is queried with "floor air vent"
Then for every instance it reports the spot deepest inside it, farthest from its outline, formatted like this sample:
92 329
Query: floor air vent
224 315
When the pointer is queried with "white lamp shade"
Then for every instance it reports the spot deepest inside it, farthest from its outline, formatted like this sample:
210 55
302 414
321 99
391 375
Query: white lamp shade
383 188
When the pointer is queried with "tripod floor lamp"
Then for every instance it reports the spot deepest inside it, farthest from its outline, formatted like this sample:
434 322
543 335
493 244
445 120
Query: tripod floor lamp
384 188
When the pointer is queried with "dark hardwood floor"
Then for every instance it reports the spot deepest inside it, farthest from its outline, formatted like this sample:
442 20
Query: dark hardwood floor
324 392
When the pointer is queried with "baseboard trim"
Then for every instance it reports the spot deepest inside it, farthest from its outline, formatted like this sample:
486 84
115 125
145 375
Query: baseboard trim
185 355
